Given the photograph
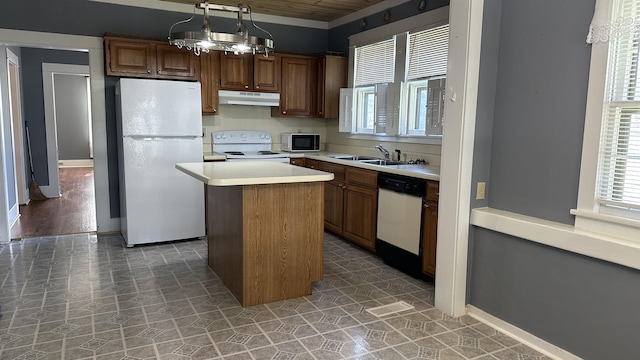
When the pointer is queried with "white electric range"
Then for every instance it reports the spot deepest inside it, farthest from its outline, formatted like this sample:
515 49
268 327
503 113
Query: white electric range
239 145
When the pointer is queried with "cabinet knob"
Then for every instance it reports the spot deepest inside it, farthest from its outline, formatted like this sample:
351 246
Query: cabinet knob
148 71
284 112
246 86
257 87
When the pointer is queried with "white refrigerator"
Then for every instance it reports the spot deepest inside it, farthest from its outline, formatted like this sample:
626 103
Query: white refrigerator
159 124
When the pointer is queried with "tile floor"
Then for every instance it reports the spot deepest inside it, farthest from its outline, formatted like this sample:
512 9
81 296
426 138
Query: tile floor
89 297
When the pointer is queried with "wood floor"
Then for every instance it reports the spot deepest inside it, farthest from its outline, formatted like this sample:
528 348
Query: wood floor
73 212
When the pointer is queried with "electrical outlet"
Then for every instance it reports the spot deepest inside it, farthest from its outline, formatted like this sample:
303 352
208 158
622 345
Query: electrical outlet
480 190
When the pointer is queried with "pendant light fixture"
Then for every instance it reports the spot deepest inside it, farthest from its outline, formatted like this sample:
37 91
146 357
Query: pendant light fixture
205 40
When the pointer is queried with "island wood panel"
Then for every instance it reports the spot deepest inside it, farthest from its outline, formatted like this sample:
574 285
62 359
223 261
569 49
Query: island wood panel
224 235
266 241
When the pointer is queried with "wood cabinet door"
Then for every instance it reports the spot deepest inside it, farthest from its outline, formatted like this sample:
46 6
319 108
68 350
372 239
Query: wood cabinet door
174 63
333 206
298 87
210 81
332 76
360 212
429 237
133 58
235 71
266 73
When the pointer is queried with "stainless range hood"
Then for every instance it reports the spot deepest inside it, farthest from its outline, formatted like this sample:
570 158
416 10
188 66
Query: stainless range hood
248 98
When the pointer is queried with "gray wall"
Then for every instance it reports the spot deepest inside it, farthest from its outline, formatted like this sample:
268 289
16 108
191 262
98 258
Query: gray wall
339 35
33 100
540 108
72 116
581 304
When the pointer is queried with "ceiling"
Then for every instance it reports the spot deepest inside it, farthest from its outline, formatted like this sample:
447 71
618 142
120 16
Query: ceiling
320 10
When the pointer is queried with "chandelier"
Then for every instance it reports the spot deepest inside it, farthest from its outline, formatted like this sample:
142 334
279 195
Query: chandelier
205 40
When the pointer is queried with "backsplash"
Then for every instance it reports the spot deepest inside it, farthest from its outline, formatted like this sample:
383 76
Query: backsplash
237 117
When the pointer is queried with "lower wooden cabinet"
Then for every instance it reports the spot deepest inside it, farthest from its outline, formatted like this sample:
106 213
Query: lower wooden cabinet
430 228
351 204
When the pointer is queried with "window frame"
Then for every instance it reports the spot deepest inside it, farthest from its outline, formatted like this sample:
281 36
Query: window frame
590 217
400 29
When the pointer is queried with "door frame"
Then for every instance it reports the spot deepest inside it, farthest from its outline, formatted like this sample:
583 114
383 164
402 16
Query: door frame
51 128
95 47
17 130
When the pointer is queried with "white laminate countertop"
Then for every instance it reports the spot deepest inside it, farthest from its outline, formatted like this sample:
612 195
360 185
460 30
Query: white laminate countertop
231 173
427 172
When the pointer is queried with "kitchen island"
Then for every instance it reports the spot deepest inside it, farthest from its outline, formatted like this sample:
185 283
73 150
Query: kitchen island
265 227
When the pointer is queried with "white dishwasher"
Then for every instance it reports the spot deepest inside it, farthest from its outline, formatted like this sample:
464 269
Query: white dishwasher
400 222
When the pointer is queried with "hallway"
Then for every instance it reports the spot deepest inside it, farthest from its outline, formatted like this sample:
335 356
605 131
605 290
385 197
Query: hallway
73 212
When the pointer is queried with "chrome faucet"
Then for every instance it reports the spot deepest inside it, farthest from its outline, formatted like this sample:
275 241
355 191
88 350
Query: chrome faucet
383 151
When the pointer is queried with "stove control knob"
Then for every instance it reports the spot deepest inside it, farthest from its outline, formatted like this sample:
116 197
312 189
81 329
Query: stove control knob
217 136
243 135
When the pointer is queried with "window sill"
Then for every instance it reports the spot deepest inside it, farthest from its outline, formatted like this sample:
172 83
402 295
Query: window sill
561 236
428 140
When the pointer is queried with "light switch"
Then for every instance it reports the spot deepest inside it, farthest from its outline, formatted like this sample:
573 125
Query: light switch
480 190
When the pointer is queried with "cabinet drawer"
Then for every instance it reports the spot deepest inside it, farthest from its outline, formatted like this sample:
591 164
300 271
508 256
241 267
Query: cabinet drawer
433 190
296 161
311 164
337 170
362 177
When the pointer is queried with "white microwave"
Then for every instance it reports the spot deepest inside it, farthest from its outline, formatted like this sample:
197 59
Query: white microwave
298 142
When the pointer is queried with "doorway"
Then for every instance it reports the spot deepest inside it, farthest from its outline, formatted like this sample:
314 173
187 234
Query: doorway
71 204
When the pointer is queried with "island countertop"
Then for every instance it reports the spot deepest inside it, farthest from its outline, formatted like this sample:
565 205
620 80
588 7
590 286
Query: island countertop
232 173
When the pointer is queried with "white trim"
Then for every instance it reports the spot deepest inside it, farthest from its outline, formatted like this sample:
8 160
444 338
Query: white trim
96 62
368 11
75 163
558 235
522 336
189 9
17 134
14 214
463 69
48 86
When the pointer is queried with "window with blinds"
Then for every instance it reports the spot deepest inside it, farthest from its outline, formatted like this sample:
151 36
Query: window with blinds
375 63
426 80
428 53
619 161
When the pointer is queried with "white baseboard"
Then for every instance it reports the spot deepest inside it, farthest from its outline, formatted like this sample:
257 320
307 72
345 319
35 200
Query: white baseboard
522 336
75 163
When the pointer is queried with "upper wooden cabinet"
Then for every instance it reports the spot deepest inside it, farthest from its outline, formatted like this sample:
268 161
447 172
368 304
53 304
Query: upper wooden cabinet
174 63
266 72
249 72
298 87
126 57
210 81
332 75
149 59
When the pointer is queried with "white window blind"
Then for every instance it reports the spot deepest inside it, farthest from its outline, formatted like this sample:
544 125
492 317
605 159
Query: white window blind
375 63
428 53
619 161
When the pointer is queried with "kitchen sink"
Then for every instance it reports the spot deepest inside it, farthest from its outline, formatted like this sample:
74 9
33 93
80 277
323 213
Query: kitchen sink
355 157
382 162
368 160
